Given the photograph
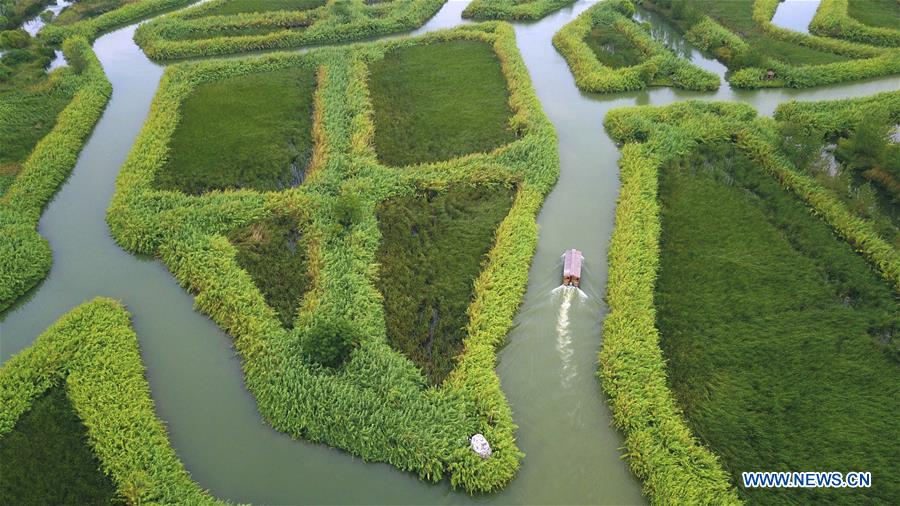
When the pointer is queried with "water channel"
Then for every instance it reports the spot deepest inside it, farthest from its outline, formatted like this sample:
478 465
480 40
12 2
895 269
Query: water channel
573 456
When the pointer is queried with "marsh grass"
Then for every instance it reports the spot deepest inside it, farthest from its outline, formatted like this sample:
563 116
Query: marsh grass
439 101
252 131
432 250
778 336
273 251
737 15
46 458
612 47
242 6
28 114
85 9
881 13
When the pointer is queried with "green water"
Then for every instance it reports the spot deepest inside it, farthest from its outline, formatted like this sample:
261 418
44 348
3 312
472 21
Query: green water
547 369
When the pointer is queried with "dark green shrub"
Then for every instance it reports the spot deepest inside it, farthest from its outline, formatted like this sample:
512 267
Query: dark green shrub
16 39
348 209
328 340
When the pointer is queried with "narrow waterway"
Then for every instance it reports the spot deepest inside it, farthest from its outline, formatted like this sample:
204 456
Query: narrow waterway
795 14
548 368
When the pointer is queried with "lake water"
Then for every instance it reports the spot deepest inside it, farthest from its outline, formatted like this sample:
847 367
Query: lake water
573 456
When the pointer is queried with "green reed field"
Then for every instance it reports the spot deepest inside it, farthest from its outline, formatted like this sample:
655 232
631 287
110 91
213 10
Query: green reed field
275 255
883 13
433 248
778 335
242 6
438 101
250 131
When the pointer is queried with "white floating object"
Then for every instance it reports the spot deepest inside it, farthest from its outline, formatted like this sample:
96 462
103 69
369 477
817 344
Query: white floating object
480 446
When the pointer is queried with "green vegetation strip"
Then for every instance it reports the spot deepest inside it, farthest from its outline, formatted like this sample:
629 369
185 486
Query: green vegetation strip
740 34
26 255
513 9
92 27
332 377
661 449
233 26
656 64
833 20
89 358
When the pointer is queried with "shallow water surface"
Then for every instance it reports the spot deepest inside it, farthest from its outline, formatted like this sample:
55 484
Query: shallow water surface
795 14
547 370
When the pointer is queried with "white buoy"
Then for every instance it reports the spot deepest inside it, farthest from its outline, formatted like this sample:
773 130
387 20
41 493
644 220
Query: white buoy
480 446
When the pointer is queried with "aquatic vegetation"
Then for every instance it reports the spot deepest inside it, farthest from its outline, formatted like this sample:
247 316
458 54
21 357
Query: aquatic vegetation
678 163
845 146
758 300
89 358
26 254
90 19
651 64
873 22
45 459
246 6
333 377
513 9
14 12
438 102
432 249
233 26
250 131
742 36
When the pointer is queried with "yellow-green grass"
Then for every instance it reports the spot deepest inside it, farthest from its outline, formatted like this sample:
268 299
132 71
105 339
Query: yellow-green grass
881 13
433 247
46 458
439 101
251 131
777 334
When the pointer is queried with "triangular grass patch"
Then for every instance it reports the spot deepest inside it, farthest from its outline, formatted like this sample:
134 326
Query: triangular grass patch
46 458
433 247
274 251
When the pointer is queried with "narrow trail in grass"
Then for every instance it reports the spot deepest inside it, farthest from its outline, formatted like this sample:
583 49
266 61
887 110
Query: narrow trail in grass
573 456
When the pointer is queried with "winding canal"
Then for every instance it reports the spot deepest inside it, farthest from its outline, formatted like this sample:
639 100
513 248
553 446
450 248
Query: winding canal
573 456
